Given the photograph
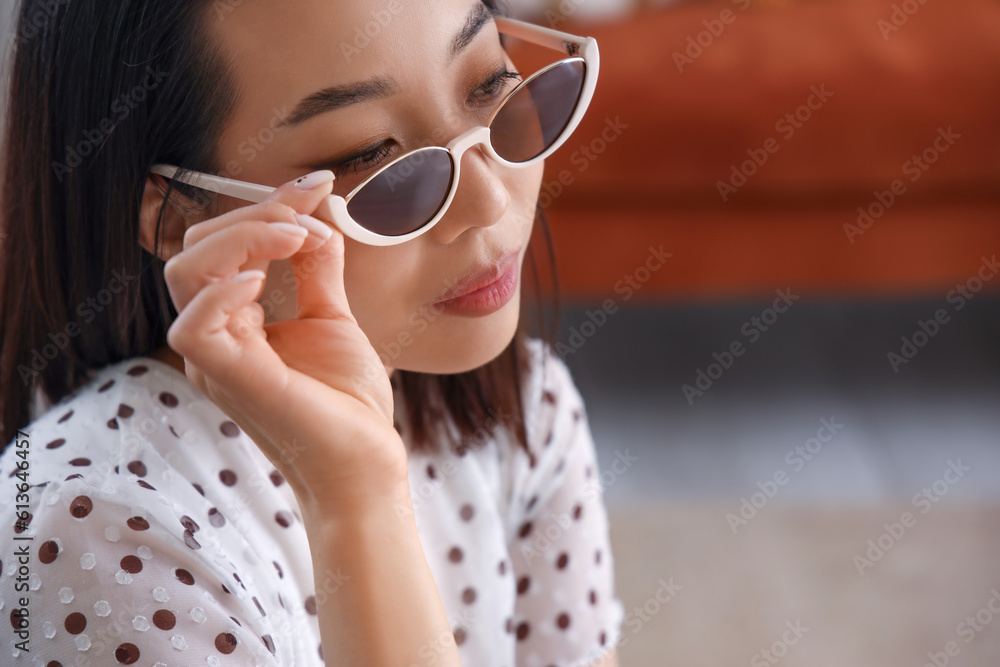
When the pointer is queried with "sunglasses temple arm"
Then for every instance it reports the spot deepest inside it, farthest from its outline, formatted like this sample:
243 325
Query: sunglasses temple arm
251 192
536 34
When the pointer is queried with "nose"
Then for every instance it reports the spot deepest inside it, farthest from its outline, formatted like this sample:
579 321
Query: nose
481 199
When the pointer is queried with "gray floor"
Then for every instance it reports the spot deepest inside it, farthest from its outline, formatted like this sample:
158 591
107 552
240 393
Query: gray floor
823 358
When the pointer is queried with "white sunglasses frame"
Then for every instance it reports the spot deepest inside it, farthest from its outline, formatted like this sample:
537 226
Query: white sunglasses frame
334 207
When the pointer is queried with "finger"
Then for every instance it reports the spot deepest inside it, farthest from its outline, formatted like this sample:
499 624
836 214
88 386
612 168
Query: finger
227 252
319 281
203 334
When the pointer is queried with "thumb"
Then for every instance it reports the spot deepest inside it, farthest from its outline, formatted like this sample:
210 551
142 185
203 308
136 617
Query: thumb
306 193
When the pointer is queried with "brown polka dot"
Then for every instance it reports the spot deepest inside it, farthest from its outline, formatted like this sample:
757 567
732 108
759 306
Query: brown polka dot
216 518
22 525
430 471
164 619
225 642
127 653
455 555
168 399
113 423
603 638
137 370
469 595
278 568
225 590
137 467
81 461
509 625
269 643
75 623
259 608
197 487
466 512
227 477
531 503
184 576
48 552
190 523
125 410
577 511
563 621
502 567
522 631
53 663
523 584
459 635
170 426
15 619
597 556
311 605
55 444
67 415
81 506
236 621
190 541
146 485
283 518
525 530
549 397
276 478
563 561
73 476
131 564
107 385
137 523
593 596
229 429
116 470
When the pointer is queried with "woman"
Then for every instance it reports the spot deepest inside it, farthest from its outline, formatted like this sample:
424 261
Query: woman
237 431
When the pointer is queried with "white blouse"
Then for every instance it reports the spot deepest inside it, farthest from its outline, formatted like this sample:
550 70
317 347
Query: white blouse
159 534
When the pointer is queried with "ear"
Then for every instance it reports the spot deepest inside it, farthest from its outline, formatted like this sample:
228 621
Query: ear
175 223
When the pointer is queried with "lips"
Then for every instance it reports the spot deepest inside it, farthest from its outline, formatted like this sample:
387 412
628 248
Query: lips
481 277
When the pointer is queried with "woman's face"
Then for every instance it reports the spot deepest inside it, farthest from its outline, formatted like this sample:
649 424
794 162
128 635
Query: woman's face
440 85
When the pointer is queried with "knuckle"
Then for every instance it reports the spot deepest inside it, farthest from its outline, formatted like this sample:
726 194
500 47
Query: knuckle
275 212
172 268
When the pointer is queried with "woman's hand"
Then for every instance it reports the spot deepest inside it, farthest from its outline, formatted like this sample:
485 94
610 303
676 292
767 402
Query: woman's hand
311 392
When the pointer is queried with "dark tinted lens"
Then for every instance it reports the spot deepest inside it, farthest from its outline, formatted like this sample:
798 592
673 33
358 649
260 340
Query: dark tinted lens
534 117
405 196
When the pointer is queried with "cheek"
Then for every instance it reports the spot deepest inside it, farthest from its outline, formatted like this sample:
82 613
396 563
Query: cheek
524 186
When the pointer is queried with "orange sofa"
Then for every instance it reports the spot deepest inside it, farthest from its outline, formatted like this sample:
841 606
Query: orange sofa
757 145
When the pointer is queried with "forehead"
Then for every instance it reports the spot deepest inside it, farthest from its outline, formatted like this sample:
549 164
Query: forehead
283 50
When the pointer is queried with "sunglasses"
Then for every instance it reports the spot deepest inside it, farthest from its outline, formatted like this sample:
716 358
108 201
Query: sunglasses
407 196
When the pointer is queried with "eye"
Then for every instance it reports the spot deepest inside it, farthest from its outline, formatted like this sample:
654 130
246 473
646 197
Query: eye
496 85
360 161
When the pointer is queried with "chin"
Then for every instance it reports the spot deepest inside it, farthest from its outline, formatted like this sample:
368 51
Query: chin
461 344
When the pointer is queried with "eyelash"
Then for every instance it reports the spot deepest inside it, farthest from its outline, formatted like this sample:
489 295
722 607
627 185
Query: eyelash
494 85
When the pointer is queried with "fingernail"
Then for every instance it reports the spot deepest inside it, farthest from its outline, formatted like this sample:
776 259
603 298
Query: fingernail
314 225
290 228
314 180
252 274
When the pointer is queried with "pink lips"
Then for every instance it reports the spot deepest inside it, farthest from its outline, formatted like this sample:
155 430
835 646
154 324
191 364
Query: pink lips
484 291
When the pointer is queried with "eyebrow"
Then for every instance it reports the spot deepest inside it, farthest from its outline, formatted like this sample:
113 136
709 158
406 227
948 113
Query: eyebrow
377 87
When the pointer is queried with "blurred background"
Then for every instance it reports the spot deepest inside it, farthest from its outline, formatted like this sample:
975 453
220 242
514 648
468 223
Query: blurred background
808 387
777 234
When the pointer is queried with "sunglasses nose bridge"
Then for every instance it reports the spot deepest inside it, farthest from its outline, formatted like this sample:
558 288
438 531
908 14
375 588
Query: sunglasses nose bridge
474 137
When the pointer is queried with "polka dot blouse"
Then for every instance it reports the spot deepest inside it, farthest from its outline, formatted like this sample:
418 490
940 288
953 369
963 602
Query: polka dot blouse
162 536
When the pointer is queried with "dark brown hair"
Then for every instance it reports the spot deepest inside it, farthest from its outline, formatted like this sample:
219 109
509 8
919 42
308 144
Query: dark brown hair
77 291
